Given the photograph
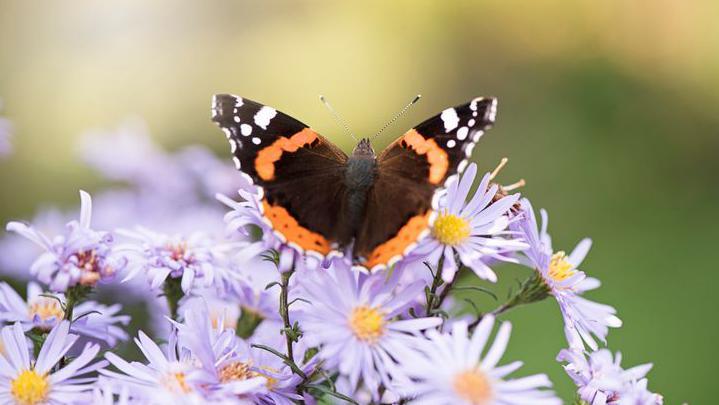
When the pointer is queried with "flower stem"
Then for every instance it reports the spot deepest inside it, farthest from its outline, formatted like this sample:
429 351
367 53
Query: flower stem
288 330
533 289
434 301
172 289
75 295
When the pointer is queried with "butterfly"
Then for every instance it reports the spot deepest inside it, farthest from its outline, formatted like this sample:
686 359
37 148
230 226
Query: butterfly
322 202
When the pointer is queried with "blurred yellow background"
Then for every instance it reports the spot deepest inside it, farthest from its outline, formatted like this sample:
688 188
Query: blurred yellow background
607 109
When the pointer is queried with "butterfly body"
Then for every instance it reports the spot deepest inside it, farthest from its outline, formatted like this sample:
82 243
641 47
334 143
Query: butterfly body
319 200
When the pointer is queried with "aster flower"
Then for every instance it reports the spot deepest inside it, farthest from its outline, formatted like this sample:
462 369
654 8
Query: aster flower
601 379
449 368
163 380
230 368
353 319
82 256
246 220
474 230
638 394
27 381
92 319
582 318
197 260
225 374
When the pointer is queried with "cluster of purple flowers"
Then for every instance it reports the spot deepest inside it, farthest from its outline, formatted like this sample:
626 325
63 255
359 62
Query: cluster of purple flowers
239 317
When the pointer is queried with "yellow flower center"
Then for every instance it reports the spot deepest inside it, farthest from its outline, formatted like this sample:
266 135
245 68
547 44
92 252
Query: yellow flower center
29 388
177 250
559 268
89 263
473 387
46 308
450 229
176 382
236 371
367 323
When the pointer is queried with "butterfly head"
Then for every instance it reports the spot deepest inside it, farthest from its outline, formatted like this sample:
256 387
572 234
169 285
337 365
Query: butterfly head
363 150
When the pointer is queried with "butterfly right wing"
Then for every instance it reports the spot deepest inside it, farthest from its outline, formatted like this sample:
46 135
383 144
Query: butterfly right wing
412 171
299 172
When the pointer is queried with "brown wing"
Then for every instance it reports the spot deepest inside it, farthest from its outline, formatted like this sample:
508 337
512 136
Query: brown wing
410 172
397 211
300 173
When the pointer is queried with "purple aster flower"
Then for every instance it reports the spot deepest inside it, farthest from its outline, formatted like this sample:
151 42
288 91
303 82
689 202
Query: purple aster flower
449 368
163 380
225 373
638 394
474 230
82 256
92 319
230 369
28 381
16 255
129 154
601 379
582 318
247 221
353 319
197 260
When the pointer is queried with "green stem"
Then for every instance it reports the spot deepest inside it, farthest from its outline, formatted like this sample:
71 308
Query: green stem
285 313
533 289
433 301
172 289
75 295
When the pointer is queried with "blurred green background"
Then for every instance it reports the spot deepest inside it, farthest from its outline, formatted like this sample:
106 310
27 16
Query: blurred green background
607 109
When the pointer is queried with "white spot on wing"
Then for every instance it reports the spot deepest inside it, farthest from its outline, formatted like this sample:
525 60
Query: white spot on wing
462 133
469 150
450 119
246 129
477 135
451 143
264 116
471 122
236 118
256 140
227 132
233 145
238 166
239 102
493 110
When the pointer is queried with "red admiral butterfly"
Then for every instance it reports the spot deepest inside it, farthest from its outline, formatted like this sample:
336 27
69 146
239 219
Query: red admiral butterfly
319 200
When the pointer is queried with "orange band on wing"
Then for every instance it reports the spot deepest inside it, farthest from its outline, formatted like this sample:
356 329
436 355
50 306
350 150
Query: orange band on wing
266 158
406 236
288 226
436 156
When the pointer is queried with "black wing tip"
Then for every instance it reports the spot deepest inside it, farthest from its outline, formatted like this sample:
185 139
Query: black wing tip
223 105
487 106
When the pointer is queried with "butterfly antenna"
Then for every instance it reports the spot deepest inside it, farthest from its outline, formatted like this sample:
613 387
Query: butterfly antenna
337 117
399 114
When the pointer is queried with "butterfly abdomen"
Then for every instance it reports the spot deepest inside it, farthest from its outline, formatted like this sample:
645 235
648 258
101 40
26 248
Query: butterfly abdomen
360 174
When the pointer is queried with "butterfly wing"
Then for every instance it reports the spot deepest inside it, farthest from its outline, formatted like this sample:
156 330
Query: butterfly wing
299 172
410 173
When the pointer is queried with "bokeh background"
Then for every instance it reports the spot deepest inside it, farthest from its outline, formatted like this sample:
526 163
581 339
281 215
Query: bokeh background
607 109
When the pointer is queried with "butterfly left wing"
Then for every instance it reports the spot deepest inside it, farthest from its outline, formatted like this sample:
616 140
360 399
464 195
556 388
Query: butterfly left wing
410 173
299 173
